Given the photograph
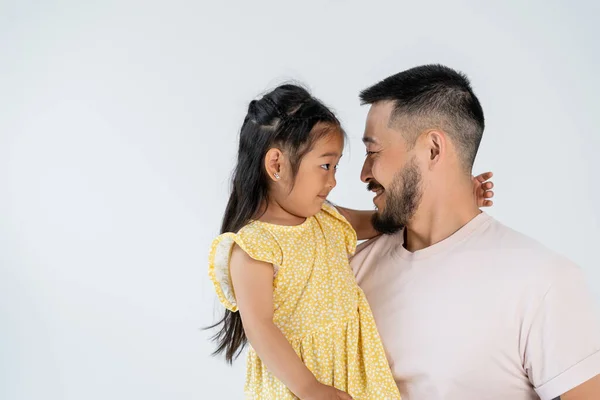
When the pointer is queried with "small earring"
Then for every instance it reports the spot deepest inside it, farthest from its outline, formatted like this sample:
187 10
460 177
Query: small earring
276 175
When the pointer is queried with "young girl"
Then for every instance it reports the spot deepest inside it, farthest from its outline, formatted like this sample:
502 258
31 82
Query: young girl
280 266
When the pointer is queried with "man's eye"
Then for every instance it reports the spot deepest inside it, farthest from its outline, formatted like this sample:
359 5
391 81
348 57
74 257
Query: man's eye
370 153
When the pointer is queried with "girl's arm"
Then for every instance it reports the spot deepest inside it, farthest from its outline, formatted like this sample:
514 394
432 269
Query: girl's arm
482 189
253 284
361 220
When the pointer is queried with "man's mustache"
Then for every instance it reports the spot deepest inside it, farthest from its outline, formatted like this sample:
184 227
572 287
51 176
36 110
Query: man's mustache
374 185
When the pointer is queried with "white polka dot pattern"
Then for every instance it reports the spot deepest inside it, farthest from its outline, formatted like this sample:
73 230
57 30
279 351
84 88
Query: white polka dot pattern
317 305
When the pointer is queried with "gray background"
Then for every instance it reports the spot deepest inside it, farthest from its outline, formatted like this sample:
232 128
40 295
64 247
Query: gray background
118 124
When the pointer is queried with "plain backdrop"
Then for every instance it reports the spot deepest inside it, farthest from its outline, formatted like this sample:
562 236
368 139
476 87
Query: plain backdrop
118 130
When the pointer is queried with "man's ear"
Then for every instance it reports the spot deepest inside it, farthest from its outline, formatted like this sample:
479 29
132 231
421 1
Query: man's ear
436 146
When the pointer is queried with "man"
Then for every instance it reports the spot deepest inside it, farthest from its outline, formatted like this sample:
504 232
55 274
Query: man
467 308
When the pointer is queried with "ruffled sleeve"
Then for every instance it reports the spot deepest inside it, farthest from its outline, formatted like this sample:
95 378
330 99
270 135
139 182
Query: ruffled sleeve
342 227
257 242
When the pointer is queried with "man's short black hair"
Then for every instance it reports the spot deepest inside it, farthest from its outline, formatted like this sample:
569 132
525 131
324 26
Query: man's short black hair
433 96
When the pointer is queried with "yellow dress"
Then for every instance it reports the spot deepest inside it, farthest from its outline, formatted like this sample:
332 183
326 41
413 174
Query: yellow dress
317 305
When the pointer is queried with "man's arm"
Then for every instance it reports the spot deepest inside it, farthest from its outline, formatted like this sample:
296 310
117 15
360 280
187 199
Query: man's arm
589 390
562 345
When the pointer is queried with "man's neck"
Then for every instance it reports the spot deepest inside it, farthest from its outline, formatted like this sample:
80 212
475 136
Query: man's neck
440 217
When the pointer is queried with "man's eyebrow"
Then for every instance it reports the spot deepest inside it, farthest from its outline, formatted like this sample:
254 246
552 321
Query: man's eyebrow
369 140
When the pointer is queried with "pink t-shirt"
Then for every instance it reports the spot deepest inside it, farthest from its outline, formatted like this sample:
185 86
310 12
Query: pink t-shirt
487 313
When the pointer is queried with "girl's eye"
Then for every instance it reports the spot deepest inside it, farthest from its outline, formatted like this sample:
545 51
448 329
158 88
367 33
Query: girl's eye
326 167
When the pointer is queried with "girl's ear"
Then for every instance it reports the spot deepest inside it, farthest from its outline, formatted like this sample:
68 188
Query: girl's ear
274 163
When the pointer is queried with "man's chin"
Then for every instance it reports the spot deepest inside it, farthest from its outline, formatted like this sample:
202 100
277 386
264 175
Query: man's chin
379 201
384 224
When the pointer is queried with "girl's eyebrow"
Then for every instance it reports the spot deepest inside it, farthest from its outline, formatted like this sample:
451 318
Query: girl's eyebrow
332 154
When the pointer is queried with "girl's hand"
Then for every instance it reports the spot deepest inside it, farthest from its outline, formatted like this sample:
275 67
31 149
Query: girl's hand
324 392
482 189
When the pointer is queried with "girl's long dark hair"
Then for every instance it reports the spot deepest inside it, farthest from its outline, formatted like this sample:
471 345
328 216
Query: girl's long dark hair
283 118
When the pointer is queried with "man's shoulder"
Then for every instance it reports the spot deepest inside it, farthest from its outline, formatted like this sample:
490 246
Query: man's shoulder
381 246
381 243
500 237
511 247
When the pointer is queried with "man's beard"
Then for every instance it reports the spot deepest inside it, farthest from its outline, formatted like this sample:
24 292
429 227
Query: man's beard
401 200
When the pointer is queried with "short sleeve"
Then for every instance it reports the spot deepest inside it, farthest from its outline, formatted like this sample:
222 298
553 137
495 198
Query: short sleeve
258 243
563 345
342 226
